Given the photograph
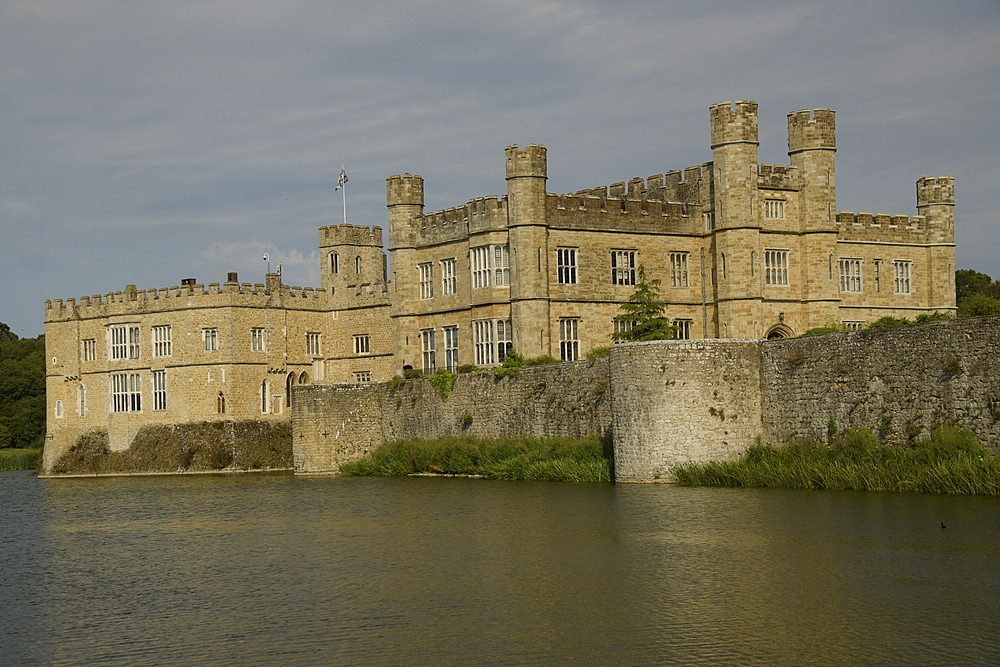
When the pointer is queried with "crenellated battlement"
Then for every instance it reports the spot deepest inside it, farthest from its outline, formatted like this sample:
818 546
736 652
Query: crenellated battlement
672 186
530 161
882 227
935 190
609 213
405 190
778 177
812 129
733 123
135 301
346 234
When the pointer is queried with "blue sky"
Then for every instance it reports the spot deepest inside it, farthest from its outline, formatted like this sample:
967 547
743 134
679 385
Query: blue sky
145 142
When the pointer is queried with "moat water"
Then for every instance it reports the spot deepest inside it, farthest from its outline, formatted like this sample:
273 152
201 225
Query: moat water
272 569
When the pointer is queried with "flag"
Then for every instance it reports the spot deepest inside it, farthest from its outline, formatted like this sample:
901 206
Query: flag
342 180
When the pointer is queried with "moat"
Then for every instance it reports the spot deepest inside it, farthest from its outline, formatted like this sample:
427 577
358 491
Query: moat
291 570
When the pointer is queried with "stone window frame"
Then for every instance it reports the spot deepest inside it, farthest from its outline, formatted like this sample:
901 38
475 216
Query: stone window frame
210 339
362 344
501 265
679 274
569 338
126 392
449 270
162 336
451 347
682 328
853 325
850 274
566 266
902 272
257 339
622 326
123 341
59 410
81 400
623 267
774 209
159 384
314 344
428 350
776 267
362 376
426 271
482 331
89 346
505 338
479 265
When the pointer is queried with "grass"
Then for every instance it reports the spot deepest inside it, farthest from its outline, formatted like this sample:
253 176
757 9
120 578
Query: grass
20 459
951 461
536 459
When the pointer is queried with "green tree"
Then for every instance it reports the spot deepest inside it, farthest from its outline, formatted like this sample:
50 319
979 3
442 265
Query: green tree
645 311
22 390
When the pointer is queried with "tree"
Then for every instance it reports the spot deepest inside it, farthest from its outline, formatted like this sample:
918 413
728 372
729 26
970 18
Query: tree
22 390
976 294
645 311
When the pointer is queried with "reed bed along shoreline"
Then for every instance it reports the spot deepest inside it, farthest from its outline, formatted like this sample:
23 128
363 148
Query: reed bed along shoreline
20 459
951 461
535 459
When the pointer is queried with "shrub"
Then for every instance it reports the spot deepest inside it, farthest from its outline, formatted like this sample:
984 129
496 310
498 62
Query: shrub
443 381
467 368
598 352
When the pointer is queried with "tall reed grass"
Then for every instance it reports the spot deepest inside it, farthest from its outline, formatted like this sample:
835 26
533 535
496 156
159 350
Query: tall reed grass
950 461
548 459
20 459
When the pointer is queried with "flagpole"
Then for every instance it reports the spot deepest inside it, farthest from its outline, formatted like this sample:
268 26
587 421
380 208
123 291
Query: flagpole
344 189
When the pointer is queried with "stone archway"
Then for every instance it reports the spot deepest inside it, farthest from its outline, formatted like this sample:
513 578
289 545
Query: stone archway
778 331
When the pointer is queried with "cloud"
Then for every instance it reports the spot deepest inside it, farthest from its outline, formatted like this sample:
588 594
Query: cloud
247 258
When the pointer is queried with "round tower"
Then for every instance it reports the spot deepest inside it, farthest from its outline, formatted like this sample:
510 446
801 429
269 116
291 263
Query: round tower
936 202
734 157
404 196
812 143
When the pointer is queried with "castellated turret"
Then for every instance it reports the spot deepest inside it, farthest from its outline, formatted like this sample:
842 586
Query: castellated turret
936 202
404 195
734 156
812 142
351 256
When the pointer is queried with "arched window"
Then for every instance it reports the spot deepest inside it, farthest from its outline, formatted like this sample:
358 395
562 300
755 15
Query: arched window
357 264
289 383
334 263
304 378
58 409
265 397
81 400
220 403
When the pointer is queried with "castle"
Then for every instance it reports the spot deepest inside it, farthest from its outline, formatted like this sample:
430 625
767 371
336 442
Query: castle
742 250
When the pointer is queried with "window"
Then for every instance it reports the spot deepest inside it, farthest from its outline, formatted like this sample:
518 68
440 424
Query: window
211 338
850 275
334 263
679 269
901 274
265 397
483 340
81 400
89 349
776 267
774 209
480 261
123 342
569 342
566 265
622 326
426 280
878 276
451 348
357 264
427 350
362 344
682 329
448 285
501 265
126 392
257 339
623 267
709 221
362 376
162 346
160 390
220 403
853 325
505 338
313 348
59 410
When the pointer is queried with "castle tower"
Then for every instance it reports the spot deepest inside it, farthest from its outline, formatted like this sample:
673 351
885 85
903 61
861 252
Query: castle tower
529 252
812 143
736 240
350 256
936 202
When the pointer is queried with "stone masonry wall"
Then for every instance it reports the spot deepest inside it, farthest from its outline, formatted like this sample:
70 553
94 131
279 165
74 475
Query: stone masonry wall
678 401
900 382
333 424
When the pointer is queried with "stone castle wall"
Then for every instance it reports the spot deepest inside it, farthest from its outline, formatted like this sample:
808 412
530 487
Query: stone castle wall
333 424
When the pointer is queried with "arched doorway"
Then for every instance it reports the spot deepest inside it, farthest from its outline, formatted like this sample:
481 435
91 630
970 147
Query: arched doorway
778 331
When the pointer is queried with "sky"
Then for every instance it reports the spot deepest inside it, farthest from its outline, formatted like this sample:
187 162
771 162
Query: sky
146 142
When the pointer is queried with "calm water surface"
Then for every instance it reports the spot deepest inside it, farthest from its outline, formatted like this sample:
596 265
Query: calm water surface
276 569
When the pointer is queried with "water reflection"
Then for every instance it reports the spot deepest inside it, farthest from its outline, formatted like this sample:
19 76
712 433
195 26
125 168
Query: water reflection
275 569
